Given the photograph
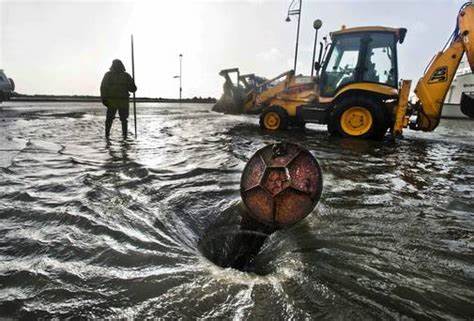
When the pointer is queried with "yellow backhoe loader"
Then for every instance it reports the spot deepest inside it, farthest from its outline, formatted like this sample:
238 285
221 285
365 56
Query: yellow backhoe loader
357 92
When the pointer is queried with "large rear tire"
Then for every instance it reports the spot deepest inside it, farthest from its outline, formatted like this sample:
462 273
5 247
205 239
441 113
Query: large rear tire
358 117
274 118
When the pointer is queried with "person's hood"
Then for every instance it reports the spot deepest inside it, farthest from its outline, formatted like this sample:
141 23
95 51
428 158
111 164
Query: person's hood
117 66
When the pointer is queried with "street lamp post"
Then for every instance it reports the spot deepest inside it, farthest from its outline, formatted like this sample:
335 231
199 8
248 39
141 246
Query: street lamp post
180 76
317 24
292 11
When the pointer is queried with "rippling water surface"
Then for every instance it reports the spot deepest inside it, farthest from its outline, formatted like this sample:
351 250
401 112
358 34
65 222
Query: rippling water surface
89 229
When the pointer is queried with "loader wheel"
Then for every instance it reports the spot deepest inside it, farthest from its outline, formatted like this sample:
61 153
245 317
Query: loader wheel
359 117
274 118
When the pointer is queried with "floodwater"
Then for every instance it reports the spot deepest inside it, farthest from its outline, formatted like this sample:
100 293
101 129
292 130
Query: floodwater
89 229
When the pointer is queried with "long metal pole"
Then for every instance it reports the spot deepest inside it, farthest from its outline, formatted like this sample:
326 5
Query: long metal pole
297 37
134 99
180 76
314 52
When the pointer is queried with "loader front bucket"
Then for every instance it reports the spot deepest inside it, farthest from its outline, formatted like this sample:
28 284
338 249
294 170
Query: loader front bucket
233 98
240 92
231 102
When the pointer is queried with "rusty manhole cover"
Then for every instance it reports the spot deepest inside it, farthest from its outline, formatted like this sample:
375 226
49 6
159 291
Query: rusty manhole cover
281 184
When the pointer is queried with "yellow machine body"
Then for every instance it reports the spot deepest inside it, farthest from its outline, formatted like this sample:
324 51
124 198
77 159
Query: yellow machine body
351 102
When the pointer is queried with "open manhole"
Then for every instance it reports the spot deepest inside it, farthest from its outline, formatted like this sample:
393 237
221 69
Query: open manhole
280 185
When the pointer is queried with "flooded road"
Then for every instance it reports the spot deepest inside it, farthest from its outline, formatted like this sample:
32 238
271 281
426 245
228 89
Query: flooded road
89 229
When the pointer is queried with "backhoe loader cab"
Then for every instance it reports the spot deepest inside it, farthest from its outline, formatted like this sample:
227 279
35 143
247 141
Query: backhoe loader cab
361 55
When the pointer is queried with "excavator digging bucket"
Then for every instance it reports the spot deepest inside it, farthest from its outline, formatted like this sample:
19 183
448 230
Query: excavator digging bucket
466 29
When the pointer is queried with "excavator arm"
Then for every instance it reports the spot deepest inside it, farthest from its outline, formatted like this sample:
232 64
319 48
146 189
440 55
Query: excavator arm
432 88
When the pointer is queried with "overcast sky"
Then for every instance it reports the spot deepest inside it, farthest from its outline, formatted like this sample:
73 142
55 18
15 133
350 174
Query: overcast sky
65 47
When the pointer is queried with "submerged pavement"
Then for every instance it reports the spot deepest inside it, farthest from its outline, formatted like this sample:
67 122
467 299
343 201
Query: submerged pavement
90 229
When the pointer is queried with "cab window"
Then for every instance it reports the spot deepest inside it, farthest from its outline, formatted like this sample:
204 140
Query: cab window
380 62
341 66
363 57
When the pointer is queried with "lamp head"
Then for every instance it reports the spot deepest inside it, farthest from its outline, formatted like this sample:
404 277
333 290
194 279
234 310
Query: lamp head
287 19
317 24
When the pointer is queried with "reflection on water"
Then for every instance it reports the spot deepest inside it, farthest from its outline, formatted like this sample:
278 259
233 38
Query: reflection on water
95 230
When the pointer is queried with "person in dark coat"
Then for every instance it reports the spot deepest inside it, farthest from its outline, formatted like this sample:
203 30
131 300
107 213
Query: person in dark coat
114 91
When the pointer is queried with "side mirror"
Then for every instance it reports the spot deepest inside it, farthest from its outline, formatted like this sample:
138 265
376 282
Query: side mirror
317 66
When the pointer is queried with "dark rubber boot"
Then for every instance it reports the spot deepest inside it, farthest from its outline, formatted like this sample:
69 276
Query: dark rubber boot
108 126
124 129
